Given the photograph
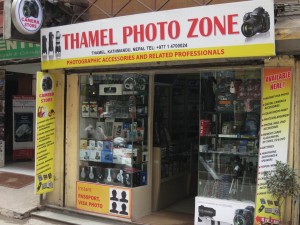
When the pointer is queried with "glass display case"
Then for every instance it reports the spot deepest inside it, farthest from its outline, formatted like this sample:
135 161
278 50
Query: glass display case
113 129
230 104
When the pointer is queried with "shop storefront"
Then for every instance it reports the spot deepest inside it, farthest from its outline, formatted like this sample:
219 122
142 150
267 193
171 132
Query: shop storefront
165 106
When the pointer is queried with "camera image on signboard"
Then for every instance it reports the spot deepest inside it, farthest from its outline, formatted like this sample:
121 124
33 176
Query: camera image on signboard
30 8
257 21
46 83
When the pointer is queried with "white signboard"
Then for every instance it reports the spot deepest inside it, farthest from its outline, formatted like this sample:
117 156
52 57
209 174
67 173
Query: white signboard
224 212
216 31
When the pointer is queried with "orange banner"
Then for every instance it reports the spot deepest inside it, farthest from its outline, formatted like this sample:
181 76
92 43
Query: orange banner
104 199
274 135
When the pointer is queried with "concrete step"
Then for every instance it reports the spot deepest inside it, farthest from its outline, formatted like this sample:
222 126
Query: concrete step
75 217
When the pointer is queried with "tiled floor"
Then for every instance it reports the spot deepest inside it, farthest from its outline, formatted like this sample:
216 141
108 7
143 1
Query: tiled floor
26 167
167 218
181 213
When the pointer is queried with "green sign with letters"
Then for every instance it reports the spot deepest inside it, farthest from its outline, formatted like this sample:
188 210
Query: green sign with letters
18 50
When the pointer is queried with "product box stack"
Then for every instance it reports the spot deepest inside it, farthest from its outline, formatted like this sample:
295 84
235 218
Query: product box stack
249 92
106 153
205 127
225 94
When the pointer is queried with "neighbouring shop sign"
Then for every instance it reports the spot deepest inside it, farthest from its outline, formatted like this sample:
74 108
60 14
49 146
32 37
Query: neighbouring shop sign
243 29
45 132
27 16
18 50
274 138
23 126
104 199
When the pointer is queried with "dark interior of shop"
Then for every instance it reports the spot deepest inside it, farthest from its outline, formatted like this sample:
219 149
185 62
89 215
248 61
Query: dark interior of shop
176 133
15 84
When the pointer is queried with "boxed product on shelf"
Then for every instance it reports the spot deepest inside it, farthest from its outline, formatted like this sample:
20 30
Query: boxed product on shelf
140 133
250 88
83 143
85 109
117 176
91 145
243 146
205 127
106 156
100 174
93 109
110 89
95 156
225 105
132 177
251 125
126 130
84 154
109 125
124 155
105 145
117 129
114 176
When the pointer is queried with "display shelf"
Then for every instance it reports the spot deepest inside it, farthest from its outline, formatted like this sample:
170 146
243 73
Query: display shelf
208 135
237 136
229 127
230 153
113 130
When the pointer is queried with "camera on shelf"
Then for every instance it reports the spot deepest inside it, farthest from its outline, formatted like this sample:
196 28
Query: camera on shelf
47 84
30 8
254 22
244 216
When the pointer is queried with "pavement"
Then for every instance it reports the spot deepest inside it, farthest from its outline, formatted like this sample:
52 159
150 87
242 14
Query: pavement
22 206
18 203
27 221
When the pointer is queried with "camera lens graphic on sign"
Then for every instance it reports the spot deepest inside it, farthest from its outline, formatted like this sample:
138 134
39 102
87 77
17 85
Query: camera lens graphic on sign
257 21
48 46
27 16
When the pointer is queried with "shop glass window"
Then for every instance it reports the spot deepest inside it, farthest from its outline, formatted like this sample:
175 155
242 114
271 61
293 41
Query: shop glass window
230 107
113 129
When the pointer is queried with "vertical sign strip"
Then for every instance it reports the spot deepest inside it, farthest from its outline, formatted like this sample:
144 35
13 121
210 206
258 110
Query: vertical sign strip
274 135
45 132
2 130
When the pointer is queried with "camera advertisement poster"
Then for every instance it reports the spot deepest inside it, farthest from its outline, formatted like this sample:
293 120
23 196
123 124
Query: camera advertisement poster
23 126
274 138
45 133
224 212
104 199
231 30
